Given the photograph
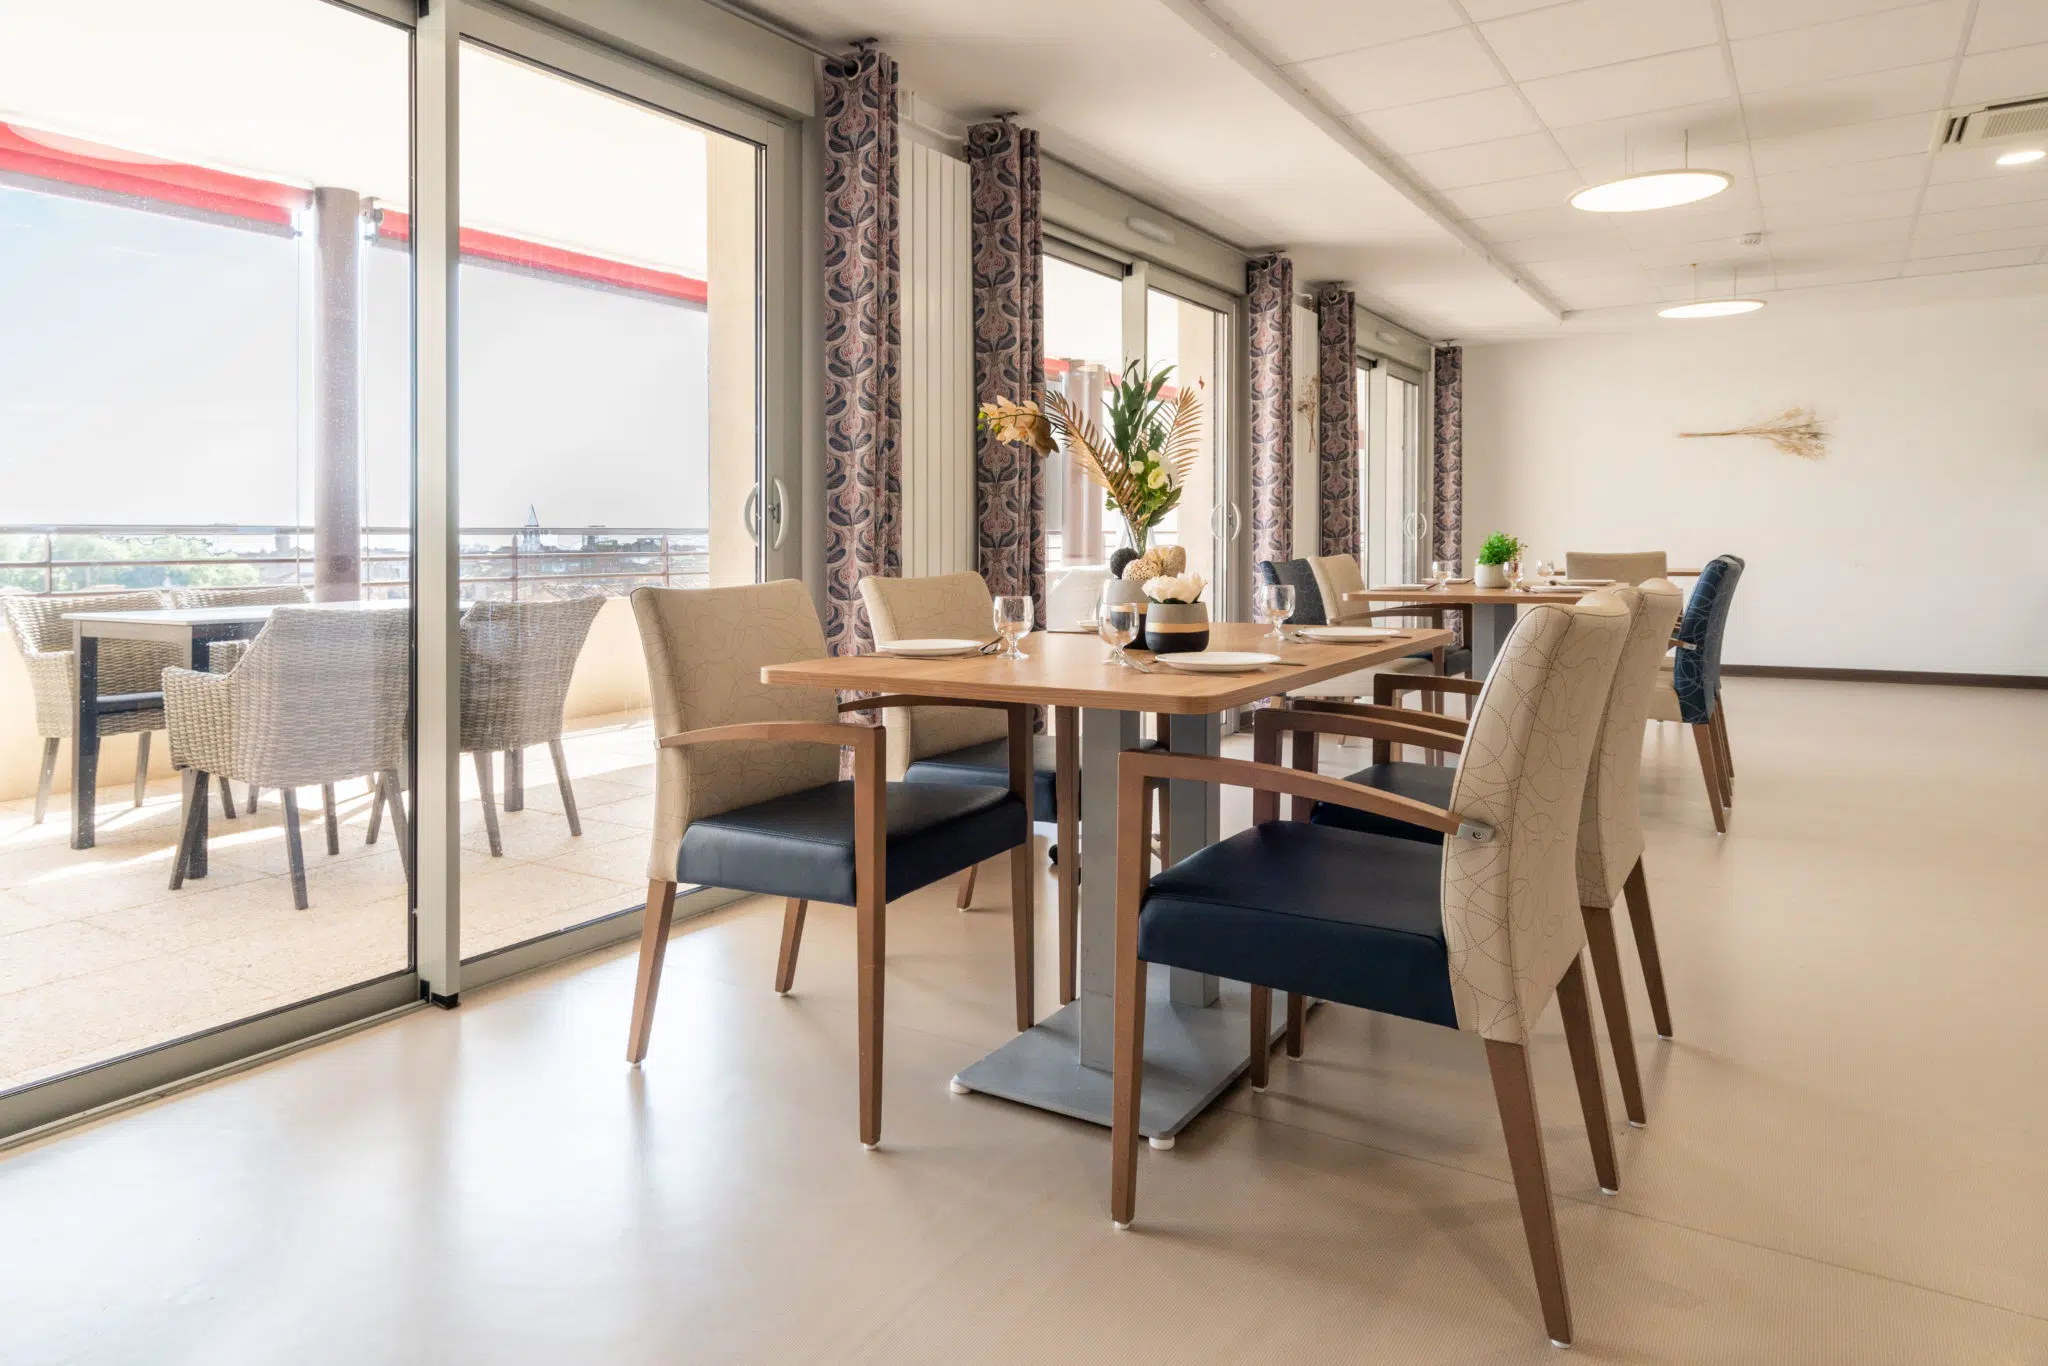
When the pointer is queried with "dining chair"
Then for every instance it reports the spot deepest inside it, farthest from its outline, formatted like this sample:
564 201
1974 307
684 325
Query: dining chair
1477 935
318 698
225 654
1337 575
1610 841
748 797
1630 567
126 667
1691 689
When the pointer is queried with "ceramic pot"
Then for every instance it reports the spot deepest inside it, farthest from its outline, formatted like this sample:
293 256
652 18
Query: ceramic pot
1489 576
1123 590
1177 627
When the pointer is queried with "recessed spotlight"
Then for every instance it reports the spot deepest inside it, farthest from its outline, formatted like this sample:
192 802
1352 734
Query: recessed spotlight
2022 157
1652 190
1711 308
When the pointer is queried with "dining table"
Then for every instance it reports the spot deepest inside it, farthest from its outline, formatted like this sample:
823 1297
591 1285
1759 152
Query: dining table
1196 1027
195 631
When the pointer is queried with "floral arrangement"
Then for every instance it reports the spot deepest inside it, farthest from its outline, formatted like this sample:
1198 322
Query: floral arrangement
1142 463
1181 588
1159 560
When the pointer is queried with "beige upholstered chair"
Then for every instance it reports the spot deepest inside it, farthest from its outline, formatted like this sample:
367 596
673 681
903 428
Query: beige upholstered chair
1477 935
126 666
748 797
1630 567
1337 575
319 697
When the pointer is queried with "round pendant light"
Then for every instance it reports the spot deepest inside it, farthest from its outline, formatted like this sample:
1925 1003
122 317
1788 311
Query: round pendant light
1652 190
1712 308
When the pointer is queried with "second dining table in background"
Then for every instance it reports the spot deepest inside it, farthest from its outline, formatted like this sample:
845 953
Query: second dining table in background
1196 1033
1493 609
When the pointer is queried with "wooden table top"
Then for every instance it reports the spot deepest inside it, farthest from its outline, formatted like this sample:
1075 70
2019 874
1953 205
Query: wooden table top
1073 670
1464 594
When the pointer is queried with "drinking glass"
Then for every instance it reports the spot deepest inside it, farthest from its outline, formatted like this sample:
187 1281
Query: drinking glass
1443 571
1273 604
1013 623
1545 571
1117 624
1513 569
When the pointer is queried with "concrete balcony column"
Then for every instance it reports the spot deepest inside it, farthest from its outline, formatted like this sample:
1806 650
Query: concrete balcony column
337 395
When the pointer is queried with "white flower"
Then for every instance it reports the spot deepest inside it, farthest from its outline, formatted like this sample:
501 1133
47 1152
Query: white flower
1176 588
1138 465
1157 479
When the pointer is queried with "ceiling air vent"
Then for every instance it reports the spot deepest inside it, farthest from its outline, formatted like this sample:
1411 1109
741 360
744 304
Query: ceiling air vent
1993 123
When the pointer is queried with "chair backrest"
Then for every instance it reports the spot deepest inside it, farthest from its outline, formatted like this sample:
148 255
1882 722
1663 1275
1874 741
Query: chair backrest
1308 593
322 695
38 624
1623 566
262 595
1510 903
1696 667
1337 575
943 605
517 660
1610 822
705 650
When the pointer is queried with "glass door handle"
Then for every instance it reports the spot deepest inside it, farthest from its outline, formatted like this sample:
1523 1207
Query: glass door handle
1236 523
750 514
778 512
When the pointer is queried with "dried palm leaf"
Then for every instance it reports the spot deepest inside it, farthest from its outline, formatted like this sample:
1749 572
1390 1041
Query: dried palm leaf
1796 431
1183 444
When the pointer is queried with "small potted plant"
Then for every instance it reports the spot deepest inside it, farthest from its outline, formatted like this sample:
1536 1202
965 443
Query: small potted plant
1178 619
1499 551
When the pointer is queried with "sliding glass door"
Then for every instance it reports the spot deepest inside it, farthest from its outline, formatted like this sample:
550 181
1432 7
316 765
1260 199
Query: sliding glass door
1393 489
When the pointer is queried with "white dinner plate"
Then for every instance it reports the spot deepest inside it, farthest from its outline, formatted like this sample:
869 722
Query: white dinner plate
1583 583
932 649
1338 634
1218 661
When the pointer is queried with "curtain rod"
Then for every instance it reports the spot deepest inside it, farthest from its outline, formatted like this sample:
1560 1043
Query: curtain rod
776 27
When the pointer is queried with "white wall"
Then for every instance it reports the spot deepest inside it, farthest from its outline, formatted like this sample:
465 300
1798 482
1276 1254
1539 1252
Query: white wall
1917 544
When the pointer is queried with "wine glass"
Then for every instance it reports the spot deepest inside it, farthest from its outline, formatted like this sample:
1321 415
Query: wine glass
1545 572
1443 571
1013 623
1513 570
1117 624
1273 604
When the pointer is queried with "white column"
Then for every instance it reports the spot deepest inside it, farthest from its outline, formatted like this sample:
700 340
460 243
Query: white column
337 395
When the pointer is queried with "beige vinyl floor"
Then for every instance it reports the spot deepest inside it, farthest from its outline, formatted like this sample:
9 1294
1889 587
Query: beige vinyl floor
1846 1162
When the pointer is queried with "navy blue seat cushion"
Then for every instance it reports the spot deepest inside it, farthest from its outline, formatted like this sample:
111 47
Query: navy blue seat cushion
802 844
1458 661
1308 598
1332 913
988 765
1429 783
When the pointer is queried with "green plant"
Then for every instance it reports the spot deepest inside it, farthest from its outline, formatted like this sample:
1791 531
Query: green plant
1499 549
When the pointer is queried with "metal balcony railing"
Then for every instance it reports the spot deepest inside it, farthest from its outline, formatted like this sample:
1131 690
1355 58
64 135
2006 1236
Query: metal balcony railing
496 562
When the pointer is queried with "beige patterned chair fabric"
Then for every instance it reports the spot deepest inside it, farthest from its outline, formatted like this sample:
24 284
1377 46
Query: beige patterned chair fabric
320 696
705 650
1337 575
944 605
126 666
517 660
1610 824
1630 567
1510 904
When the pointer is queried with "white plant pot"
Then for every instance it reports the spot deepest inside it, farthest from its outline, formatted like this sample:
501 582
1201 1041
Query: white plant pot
1489 576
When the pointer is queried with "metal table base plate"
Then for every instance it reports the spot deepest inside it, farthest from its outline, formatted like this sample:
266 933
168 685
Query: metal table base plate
1191 1054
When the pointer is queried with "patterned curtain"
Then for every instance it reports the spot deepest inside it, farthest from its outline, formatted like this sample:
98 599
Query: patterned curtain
1009 354
1269 281
1447 460
863 339
1337 421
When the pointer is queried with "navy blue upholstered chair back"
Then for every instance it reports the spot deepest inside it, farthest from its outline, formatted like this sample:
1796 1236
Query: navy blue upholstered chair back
1696 672
1308 599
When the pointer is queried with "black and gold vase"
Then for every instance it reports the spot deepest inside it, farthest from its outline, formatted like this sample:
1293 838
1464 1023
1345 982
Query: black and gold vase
1177 627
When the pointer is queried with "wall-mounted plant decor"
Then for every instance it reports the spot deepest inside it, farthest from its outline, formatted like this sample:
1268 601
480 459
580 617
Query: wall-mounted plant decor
1796 431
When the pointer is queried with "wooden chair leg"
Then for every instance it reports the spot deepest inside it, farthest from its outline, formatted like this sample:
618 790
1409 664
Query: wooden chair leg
394 799
1636 891
1614 1005
192 813
1262 1035
227 799
965 897
792 940
1067 875
294 848
44 779
1129 1086
1585 1050
142 767
1721 760
654 927
333 818
483 787
1297 1022
870 951
1710 769
1515 1093
1721 722
1024 930
562 782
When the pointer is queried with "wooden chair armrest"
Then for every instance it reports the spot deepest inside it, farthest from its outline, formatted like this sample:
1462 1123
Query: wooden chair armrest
1452 726
1341 718
1159 765
1678 644
1387 688
845 736
898 699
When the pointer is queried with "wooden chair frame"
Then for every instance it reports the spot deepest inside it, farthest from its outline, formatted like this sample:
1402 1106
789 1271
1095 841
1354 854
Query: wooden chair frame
1514 1089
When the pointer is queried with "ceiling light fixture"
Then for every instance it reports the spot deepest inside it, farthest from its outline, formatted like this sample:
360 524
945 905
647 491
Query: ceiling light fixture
1654 189
1712 308
2022 157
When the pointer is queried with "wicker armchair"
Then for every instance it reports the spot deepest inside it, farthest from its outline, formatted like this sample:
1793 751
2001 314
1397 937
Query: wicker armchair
44 639
228 653
320 697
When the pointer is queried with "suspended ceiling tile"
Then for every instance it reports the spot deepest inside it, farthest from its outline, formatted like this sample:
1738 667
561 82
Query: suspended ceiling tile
1513 196
1795 109
2027 214
1873 141
1482 163
1850 47
1592 33
1935 243
1857 177
1694 76
1393 74
2015 73
1982 260
1531 223
1843 209
1456 121
1297 30
1747 18
2030 183
2008 23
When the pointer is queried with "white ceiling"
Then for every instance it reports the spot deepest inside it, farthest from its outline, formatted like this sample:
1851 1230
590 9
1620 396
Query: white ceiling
1824 111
